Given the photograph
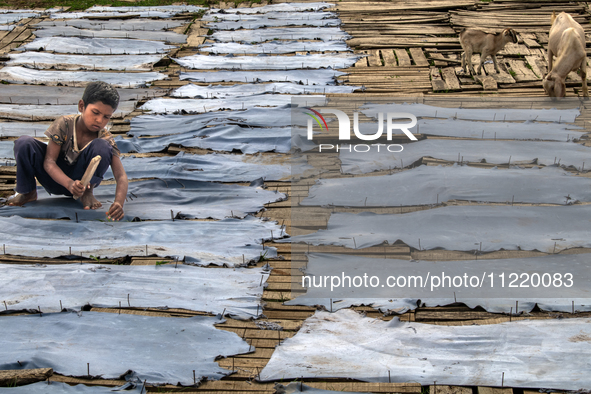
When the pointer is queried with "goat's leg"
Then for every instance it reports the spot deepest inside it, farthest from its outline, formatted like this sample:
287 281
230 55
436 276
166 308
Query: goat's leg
550 60
584 77
482 58
468 55
463 57
494 58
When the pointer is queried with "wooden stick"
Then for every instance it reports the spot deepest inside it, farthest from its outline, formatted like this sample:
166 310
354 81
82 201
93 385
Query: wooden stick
24 376
90 170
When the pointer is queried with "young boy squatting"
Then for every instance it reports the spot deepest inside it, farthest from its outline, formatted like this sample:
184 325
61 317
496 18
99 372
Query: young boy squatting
73 141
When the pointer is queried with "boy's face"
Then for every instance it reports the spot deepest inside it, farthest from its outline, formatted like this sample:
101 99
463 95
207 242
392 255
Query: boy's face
95 116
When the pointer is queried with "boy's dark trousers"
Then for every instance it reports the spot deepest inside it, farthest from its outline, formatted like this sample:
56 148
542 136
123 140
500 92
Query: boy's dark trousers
30 154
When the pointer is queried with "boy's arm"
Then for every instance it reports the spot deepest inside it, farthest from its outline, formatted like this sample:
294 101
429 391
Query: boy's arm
115 212
50 166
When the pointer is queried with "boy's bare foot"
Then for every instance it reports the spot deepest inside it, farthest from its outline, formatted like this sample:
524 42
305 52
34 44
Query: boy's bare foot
19 200
88 201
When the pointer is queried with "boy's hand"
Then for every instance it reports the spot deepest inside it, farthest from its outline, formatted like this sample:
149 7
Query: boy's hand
115 212
76 188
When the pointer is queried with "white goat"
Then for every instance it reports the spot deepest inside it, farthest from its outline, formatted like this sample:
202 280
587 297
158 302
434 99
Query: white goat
567 43
476 41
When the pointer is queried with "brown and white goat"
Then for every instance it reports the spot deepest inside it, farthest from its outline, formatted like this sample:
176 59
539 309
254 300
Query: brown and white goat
476 41
567 43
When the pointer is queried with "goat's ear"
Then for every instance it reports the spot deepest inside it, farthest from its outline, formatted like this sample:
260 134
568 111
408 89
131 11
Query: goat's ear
549 77
513 35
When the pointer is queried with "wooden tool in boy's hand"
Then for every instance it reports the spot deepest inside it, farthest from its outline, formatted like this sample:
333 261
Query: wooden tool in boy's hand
90 170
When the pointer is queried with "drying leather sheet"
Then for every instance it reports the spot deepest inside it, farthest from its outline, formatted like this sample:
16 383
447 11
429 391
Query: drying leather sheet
244 90
301 77
77 78
427 185
33 94
265 62
64 388
103 15
483 114
230 21
299 387
12 17
157 199
275 47
97 46
547 229
281 33
177 9
70 31
52 112
155 125
230 242
73 286
265 21
43 60
490 130
6 153
218 138
16 129
128 24
496 299
10 11
212 167
282 7
345 344
169 106
496 152
255 15
109 345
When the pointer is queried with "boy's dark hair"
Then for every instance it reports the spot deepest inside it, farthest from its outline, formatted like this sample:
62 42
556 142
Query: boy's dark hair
101 91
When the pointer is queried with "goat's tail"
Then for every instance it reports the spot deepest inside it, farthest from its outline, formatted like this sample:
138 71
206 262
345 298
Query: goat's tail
553 17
